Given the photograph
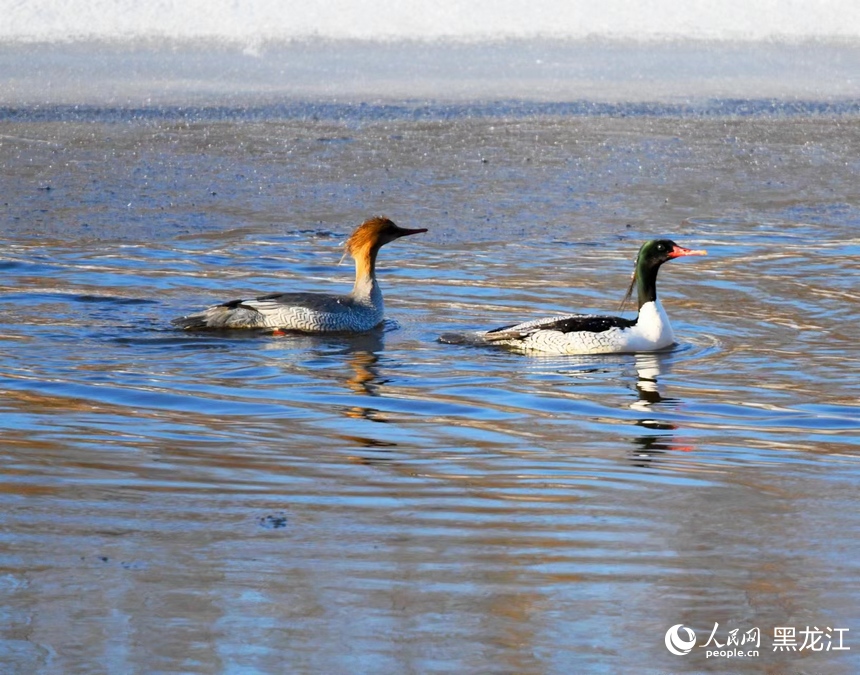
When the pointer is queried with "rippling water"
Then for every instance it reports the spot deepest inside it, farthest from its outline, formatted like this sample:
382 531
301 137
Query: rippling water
386 503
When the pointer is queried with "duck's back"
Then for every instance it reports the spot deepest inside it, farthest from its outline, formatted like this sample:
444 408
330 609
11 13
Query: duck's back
307 312
589 333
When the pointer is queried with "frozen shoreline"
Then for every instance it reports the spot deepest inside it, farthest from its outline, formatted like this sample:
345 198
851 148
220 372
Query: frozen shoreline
250 21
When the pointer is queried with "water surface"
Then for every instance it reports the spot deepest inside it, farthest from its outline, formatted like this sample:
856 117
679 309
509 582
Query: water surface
385 503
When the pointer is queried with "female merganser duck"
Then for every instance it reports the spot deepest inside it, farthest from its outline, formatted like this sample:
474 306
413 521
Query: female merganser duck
595 334
359 311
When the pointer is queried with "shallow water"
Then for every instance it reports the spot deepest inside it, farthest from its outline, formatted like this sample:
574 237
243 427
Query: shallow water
385 503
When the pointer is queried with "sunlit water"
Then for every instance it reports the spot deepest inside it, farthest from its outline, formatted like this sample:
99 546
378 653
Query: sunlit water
385 503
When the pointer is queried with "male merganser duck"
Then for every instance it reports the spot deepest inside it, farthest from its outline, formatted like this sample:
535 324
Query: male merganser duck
595 334
359 311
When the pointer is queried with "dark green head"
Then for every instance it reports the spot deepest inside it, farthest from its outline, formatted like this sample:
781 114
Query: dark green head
653 254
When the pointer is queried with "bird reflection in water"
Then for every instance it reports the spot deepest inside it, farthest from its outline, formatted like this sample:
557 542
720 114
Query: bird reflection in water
365 380
648 369
649 447
362 352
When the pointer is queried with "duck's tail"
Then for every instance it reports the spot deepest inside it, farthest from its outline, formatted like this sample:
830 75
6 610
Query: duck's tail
473 339
231 314
192 322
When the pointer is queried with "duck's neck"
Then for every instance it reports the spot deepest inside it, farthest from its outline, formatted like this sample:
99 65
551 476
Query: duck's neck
652 322
366 288
646 284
